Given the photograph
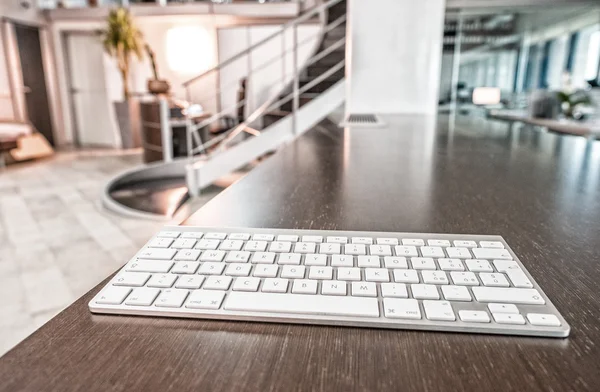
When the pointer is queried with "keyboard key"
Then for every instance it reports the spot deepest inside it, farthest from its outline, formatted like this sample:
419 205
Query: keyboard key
518 278
364 289
380 250
154 266
239 236
286 246
274 285
171 298
212 255
263 237
237 256
377 275
362 240
287 237
205 299
315 260
406 251
401 308
207 244
488 253
211 268
506 318
464 278
168 234
459 253
215 236
424 291
238 269
369 261
162 280
185 267
231 245
413 242
503 308
355 249
493 280
474 316
217 283
491 244
456 293
510 295
451 265
342 261
544 320
333 287
192 234
348 273
442 243
312 238
506 265
434 277
406 276
266 270
330 248
395 262
438 310
246 284
304 247
432 251
189 282
187 255
303 304
293 271
394 290
337 240
465 244
387 241
320 273
422 263
304 286
475 265
113 295
263 258
184 243
142 296
132 279
289 258
255 246
157 254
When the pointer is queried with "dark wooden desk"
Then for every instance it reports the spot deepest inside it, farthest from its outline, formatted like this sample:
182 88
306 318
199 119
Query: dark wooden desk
540 191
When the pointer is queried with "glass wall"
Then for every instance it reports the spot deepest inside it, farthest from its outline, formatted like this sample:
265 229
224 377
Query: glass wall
501 58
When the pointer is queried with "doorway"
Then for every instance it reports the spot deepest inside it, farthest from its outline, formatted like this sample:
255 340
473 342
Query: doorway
93 119
34 79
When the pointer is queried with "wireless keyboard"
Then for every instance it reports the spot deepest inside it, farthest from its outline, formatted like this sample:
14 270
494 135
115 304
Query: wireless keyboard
436 282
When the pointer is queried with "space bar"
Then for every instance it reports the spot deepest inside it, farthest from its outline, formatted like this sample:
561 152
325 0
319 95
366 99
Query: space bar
302 304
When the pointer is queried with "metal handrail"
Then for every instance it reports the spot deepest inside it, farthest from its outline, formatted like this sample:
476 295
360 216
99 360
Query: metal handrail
274 59
283 29
274 100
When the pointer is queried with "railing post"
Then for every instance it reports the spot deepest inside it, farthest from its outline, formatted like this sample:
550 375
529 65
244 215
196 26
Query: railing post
165 130
296 97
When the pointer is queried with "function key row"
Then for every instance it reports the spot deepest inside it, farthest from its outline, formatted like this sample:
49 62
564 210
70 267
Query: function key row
332 239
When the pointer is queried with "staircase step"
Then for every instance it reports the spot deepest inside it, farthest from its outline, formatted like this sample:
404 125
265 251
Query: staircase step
314 71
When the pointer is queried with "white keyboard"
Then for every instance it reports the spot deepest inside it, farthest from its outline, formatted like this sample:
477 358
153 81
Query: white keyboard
437 282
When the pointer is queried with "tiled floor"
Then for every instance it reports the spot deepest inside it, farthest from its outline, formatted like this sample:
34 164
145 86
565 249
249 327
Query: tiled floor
56 241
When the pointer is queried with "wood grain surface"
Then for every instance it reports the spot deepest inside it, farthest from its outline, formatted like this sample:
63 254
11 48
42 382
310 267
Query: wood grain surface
540 191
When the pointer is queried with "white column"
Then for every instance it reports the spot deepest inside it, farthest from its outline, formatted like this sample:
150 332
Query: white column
393 58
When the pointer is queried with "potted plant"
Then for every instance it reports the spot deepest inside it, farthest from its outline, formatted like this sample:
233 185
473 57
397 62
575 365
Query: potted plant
571 101
156 86
122 40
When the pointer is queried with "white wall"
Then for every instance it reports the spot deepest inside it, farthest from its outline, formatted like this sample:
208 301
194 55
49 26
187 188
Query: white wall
271 70
395 55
